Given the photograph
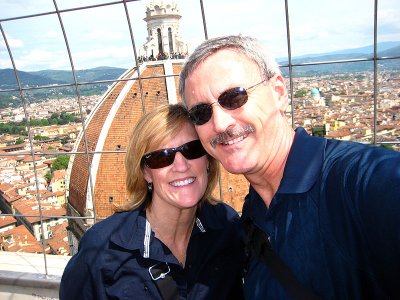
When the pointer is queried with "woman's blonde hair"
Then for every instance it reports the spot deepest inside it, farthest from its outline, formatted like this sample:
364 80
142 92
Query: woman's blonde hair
151 131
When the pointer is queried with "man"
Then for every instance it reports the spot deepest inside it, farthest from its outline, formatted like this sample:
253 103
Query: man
330 209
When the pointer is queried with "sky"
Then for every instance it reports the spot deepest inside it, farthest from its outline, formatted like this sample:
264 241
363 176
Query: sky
100 36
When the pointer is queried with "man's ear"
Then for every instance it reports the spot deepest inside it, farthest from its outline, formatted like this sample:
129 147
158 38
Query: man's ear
281 93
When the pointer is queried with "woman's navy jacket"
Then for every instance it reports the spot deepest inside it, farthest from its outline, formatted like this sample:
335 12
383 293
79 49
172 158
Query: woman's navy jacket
335 221
111 263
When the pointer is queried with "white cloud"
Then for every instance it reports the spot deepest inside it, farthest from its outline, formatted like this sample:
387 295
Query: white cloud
5 64
15 43
389 16
52 34
12 42
98 34
105 56
42 59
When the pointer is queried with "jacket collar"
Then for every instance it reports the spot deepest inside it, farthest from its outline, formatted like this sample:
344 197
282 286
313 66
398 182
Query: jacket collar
134 225
132 234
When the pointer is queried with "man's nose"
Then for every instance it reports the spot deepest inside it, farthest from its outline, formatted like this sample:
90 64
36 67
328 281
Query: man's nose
221 118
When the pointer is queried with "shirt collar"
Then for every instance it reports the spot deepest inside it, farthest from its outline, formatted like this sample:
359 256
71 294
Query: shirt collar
301 172
134 226
303 164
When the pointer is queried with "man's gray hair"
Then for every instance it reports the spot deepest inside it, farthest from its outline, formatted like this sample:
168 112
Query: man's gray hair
246 45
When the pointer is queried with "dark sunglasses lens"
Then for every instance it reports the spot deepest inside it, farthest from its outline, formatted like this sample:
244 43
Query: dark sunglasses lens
233 98
230 99
200 114
193 150
160 159
165 157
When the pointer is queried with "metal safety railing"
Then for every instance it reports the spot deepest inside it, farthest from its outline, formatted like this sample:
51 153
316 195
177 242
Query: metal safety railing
76 85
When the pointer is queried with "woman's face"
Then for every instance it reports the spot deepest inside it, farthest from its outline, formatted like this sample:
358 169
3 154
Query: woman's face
182 183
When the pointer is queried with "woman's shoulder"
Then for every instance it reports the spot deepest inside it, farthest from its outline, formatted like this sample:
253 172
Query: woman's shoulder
103 229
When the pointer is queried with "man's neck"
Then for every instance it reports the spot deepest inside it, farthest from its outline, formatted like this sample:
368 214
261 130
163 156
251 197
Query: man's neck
266 181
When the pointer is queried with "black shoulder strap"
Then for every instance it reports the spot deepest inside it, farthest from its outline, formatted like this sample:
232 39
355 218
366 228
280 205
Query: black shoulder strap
258 245
166 285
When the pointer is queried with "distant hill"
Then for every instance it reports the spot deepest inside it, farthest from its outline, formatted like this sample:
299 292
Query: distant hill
386 49
100 73
95 74
8 80
51 77
351 52
395 51
54 77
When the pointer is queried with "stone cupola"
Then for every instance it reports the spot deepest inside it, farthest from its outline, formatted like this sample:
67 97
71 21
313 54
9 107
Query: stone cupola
163 37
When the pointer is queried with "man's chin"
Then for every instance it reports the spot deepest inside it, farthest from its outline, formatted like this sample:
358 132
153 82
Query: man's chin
234 167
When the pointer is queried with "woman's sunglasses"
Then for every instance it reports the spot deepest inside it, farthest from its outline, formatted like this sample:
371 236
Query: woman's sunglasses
165 157
230 99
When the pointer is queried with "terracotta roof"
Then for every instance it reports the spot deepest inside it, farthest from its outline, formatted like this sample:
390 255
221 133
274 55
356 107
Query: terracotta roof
7 220
31 207
59 174
59 242
6 187
20 239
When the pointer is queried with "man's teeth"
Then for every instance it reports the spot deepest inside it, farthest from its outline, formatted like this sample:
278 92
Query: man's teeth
182 182
238 139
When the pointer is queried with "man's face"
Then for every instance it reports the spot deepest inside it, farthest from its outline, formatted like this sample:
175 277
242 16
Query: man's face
245 139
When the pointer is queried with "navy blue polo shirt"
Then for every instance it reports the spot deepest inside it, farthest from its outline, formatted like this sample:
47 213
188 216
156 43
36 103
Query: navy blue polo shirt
335 221
115 255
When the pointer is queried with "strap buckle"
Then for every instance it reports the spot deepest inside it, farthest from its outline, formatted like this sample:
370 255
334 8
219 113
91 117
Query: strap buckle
158 273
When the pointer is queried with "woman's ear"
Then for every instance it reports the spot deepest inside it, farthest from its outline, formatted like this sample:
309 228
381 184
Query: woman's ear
147 174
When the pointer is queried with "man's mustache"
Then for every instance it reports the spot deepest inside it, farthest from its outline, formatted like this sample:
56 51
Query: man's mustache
231 133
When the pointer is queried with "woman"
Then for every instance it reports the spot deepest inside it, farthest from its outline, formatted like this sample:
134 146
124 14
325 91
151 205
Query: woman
171 240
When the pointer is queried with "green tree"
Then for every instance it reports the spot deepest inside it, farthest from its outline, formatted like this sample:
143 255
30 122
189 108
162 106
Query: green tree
48 177
300 93
40 137
44 122
19 141
34 122
319 130
54 116
53 121
60 163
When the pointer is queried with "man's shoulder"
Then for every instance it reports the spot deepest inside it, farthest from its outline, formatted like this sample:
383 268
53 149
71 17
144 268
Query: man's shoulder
350 151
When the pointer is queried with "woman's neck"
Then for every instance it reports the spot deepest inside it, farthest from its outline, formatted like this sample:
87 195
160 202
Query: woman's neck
173 228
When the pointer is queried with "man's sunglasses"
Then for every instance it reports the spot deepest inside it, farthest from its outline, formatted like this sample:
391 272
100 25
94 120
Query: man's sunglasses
165 157
230 99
